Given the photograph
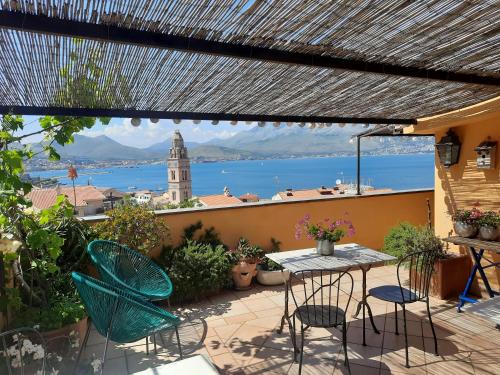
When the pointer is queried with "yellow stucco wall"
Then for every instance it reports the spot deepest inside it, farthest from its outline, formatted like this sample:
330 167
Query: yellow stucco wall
462 185
372 217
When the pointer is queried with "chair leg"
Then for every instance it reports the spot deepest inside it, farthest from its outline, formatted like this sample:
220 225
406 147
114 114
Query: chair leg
147 345
294 338
432 327
344 344
178 341
406 336
105 351
396 316
82 346
154 343
302 332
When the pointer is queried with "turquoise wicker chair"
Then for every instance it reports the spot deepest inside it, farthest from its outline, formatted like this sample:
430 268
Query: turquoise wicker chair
119 265
119 315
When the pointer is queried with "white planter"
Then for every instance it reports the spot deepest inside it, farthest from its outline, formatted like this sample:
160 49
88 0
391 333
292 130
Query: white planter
272 277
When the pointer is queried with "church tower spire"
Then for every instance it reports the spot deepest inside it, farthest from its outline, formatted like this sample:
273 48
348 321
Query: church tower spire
178 170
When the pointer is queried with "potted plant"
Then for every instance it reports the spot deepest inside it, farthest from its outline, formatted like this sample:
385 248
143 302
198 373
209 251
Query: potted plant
325 232
269 272
450 270
465 222
489 223
244 258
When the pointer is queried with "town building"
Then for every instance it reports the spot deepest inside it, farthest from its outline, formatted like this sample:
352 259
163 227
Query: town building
323 191
141 197
89 200
225 199
179 171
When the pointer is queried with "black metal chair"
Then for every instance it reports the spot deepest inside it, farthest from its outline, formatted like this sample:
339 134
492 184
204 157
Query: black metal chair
321 302
420 266
22 350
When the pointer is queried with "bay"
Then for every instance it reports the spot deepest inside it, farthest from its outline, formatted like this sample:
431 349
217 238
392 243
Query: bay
266 177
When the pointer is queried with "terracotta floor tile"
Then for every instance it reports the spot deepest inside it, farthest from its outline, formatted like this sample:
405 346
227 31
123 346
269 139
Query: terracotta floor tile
226 362
248 334
269 361
364 355
226 331
276 311
260 304
355 336
271 322
236 308
240 318
215 346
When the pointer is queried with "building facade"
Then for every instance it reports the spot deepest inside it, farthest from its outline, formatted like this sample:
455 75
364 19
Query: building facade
179 171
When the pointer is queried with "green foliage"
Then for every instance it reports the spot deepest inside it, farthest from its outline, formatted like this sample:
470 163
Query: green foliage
489 219
186 203
407 238
62 311
135 226
266 263
467 216
245 251
196 269
207 236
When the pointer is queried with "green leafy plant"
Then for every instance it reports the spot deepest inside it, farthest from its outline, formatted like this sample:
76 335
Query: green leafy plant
135 226
267 264
489 219
196 269
244 251
407 238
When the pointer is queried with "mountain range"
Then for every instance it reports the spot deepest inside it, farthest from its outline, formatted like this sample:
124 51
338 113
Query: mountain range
257 142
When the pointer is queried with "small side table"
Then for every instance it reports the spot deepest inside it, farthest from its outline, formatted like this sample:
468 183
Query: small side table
476 249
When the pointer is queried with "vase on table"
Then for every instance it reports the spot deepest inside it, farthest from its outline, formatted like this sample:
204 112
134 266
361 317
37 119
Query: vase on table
325 247
488 233
464 229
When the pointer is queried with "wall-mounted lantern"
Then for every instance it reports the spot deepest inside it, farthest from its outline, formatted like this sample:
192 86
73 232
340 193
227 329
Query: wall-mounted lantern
448 149
486 154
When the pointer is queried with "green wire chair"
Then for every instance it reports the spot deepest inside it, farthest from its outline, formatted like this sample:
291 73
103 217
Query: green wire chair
119 265
119 315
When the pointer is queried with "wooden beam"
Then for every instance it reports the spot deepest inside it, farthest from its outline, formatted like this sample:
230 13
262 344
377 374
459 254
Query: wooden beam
128 113
75 29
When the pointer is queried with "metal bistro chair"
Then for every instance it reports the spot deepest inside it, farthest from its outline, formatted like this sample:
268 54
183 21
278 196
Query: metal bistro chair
119 265
321 302
119 315
420 266
15 349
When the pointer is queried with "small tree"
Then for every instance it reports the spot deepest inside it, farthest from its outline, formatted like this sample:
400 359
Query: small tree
135 226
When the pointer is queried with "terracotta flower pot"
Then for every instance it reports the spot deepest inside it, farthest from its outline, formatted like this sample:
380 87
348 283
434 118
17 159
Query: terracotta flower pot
78 328
449 277
243 273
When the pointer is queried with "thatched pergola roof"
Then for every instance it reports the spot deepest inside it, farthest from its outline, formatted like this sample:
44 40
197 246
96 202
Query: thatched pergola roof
335 61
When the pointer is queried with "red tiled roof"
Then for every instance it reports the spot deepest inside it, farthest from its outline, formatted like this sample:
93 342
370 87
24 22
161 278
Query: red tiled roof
249 197
218 200
44 198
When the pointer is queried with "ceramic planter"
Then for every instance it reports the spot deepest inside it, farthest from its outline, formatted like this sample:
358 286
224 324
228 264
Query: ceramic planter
488 233
464 229
266 277
243 272
325 247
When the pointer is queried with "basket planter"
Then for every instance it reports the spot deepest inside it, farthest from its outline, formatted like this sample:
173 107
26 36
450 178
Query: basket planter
243 273
487 233
449 277
465 229
270 278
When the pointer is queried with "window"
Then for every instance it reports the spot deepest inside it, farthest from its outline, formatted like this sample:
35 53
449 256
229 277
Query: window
172 175
173 195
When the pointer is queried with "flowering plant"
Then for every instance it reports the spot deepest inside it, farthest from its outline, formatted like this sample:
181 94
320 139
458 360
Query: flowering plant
489 219
328 229
467 216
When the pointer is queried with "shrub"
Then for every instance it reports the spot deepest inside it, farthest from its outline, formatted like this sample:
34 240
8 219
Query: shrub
489 219
407 238
196 269
135 226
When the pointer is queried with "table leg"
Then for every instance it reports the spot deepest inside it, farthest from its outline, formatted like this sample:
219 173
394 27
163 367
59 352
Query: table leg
286 316
364 304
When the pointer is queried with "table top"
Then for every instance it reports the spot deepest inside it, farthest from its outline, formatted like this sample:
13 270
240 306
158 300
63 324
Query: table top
345 256
474 242
488 309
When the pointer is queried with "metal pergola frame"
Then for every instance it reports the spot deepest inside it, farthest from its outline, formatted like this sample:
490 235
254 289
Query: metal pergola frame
385 131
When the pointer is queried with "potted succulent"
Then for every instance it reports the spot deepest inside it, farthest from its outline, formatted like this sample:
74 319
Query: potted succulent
269 272
325 232
489 223
244 258
465 222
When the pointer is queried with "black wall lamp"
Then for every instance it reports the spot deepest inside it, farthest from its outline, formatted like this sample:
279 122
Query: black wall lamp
448 149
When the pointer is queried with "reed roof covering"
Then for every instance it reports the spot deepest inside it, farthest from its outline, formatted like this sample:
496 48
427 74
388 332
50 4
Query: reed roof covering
334 60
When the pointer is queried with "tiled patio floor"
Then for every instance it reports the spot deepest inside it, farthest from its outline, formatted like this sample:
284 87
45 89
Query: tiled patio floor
237 331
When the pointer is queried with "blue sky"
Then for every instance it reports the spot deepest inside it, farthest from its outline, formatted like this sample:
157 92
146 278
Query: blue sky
146 134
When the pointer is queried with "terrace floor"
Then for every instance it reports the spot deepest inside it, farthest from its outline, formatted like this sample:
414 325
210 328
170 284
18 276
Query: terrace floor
237 331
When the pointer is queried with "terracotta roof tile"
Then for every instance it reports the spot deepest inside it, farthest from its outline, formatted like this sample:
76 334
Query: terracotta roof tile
44 198
218 200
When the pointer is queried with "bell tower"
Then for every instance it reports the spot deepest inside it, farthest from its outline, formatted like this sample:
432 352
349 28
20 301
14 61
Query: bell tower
178 170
